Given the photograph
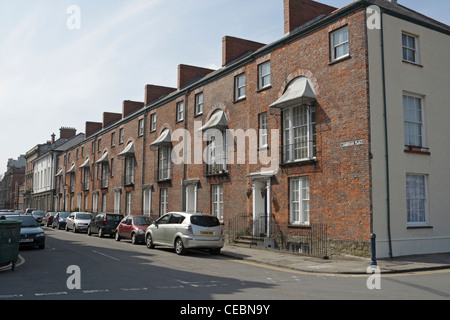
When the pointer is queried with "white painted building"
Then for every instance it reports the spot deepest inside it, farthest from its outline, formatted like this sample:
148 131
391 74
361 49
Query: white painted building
409 83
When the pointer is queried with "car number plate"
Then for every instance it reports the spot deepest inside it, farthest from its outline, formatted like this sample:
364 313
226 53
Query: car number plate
207 232
26 240
113 230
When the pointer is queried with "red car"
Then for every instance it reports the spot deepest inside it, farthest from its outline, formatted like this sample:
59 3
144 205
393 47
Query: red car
48 219
133 227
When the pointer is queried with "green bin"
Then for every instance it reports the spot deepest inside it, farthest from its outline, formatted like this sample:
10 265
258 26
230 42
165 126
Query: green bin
9 242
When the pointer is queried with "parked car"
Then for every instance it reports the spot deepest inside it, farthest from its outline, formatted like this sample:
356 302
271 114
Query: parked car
38 215
31 235
133 227
104 223
78 221
182 231
29 210
59 220
48 218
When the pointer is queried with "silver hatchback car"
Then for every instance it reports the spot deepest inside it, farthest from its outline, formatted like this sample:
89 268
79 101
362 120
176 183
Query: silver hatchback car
182 231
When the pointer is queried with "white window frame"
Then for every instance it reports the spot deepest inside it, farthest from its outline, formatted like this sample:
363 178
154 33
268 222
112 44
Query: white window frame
263 132
163 201
414 129
95 202
264 76
416 200
239 86
129 170
216 148
128 202
407 48
141 127
103 202
164 162
199 103
299 201
153 122
294 142
180 111
147 201
217 201
337 44
117 194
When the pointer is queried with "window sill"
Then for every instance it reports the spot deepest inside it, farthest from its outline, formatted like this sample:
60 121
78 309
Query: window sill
412 63
299 226
299 162
340 59
419 227
264 88
240 99
417 150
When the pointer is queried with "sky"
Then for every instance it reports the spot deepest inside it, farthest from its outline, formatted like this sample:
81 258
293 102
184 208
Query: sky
53 75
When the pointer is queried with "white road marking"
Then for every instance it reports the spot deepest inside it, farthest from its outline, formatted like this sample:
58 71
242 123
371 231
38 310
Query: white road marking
105 255
50 294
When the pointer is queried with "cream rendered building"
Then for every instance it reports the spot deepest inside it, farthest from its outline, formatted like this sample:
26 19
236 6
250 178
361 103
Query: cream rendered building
409 77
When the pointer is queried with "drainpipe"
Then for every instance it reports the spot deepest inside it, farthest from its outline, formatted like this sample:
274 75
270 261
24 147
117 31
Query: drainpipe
388 198
183 188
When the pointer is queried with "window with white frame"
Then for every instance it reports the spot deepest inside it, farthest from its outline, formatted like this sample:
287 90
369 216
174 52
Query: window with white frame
416 200
87 177
128 202
409 47
239 87
263 141
105 175
129 170
264 75
163 201
299 133
180 111
95 202
199 103
413 120
217 201
147 201
216 162
153 122
141 127
104 202
121 135
117 201
339 43
299 201
164 162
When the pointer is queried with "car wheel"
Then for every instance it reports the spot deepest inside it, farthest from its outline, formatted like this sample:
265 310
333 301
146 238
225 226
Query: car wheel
66 228
179 247
117 236
100 232
89 231
133 238
74 230
149 242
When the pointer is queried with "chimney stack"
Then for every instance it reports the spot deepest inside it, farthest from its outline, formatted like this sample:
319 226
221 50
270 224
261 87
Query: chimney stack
299 12
67 133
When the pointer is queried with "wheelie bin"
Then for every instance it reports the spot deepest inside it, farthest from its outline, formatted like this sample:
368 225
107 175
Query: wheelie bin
9 242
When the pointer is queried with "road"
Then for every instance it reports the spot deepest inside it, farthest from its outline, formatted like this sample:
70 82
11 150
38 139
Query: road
110 270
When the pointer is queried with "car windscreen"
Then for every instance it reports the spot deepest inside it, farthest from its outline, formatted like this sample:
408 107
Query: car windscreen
83 216
38 213
142 221
205 221
64 214
27 221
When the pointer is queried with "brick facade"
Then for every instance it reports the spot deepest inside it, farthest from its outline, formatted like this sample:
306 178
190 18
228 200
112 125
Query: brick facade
339 176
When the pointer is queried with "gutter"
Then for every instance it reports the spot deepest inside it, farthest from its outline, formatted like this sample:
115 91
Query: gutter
388 198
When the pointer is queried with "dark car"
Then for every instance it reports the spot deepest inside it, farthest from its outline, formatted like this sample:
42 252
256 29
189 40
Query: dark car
133 227
31 235
104 223
48 218
59 220
38 215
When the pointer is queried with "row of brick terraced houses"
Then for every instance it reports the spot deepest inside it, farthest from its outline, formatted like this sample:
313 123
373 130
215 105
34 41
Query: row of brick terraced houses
349 111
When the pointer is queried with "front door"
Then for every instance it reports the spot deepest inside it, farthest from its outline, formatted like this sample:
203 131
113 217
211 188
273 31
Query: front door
261 205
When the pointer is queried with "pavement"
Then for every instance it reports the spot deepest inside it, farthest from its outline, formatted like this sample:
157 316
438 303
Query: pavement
350 265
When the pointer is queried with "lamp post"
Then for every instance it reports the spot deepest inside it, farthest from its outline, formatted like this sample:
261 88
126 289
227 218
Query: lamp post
373 255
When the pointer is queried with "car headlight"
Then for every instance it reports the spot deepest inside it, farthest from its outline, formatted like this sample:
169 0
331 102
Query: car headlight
40 235
140 231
